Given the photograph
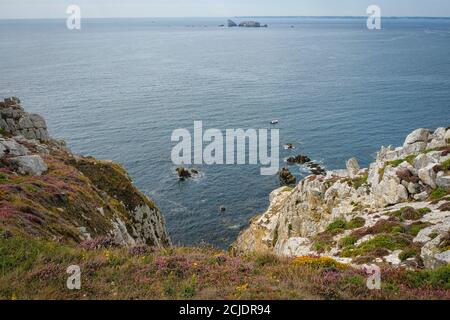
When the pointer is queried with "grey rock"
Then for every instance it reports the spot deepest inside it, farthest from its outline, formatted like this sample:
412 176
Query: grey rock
38 121
6 113
353 167
421 196
419 135
3 124
428 176
12 148
25 122
423 160
30 165
442 180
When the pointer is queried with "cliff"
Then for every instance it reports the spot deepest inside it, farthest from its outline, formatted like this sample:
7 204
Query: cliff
48 192
397 211
59 209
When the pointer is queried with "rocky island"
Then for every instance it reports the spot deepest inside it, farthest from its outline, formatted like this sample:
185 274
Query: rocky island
59 209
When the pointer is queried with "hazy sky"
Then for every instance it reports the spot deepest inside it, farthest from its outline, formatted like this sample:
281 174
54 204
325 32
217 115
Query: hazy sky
219 8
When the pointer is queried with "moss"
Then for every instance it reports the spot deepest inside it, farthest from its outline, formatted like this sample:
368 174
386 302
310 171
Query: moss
381 173
416 227
378 246
409 252
338 224
348 241
318 262
410 159
438 278
409 213
5 133
356 222
445 165
438 193
112 179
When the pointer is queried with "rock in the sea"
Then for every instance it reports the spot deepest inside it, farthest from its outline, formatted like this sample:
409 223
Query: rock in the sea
300 159
286 177
183 173
231 24
32 165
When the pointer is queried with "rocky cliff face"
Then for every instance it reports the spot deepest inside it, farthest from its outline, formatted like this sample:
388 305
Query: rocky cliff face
48 192
397 211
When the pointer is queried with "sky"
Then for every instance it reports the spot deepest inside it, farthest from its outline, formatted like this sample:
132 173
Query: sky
18 9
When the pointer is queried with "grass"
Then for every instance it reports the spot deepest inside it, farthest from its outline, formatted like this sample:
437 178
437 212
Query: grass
341 225
35 269
409 213
445 165
438 193
377 246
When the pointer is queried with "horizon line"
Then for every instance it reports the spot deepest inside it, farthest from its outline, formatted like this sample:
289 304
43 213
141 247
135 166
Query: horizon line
234 17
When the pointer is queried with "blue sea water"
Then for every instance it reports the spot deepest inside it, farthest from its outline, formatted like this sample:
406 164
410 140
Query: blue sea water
119 87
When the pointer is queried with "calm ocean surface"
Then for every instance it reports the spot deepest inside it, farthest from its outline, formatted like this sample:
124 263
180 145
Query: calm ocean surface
118 88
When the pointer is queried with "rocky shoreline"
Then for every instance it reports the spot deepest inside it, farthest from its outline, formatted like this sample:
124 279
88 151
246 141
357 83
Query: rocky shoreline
397 211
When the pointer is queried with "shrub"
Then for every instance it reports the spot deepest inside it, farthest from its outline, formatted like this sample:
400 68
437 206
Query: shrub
409 253
337 225
438 278
266 259
438 193
348 241
445 165
318 262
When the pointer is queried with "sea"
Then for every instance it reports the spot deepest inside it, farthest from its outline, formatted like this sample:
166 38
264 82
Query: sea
118 88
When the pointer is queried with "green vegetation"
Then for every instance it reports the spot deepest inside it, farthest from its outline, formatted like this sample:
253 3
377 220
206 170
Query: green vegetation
438 193
5 133
340 225
409 213
348 241
377 246
34 269
409 252
445 165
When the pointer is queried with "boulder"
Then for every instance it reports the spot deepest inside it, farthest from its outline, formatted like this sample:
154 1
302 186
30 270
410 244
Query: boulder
286 177
442 180
353 167
437 139
423 160
10 147
38 121
419 135
432 255
428 175
30 165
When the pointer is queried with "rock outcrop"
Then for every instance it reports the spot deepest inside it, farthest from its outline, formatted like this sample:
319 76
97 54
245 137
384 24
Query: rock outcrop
48 192
14 120
396 211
